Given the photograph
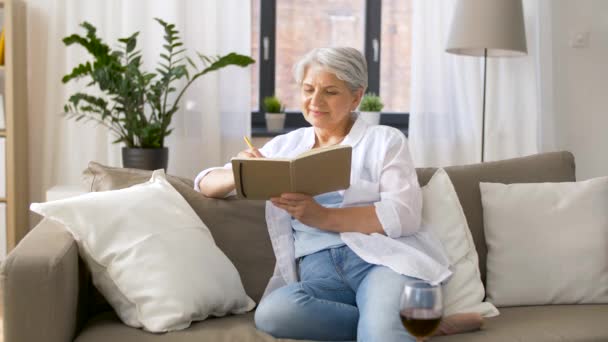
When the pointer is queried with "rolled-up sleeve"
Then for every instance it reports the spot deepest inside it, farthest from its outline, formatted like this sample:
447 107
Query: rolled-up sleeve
400 207
203 173
267 151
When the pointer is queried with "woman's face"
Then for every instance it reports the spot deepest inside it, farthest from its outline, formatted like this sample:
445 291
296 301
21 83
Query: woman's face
326 100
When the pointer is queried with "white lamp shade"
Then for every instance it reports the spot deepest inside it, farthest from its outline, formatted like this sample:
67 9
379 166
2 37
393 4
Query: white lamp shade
495 25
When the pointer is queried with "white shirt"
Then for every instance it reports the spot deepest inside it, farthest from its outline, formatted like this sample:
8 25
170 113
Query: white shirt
382 174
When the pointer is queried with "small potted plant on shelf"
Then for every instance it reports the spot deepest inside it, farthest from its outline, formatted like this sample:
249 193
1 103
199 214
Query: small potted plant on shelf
134 104
370 107
275 116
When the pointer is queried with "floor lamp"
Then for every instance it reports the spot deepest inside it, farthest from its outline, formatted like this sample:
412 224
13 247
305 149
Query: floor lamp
488 28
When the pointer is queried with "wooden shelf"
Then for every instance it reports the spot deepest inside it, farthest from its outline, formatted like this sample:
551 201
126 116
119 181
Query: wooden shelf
2 133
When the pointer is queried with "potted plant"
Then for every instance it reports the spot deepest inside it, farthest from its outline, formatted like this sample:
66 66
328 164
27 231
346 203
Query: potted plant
370 107
134 104
275 117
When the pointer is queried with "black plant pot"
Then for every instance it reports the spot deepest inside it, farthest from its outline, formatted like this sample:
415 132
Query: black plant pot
145 158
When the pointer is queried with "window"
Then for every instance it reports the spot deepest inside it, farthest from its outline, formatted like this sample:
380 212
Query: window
395 62
284 30
305 24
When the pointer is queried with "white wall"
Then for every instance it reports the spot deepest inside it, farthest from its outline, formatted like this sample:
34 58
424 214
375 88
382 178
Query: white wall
581 84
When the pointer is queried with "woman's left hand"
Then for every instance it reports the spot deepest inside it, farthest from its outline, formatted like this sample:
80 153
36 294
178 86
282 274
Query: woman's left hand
302 207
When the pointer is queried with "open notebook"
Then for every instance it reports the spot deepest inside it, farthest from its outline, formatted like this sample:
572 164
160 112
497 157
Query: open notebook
314 172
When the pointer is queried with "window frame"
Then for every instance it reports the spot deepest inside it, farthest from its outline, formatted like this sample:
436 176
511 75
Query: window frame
267 70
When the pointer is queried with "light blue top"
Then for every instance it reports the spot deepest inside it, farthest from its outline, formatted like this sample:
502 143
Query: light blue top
310 240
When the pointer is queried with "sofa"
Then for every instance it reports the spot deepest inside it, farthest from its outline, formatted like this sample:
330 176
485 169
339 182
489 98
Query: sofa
48 294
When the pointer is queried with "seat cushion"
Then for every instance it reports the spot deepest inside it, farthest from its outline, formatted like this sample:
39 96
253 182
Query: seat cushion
548 323
107 327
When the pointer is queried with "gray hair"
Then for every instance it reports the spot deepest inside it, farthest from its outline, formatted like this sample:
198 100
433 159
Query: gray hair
348 64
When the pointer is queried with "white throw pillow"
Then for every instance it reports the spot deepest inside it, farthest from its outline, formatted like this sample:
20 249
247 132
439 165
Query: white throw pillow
547 242
442 214
150 255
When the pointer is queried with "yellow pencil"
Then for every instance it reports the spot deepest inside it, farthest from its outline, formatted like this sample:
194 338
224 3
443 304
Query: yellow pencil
248 143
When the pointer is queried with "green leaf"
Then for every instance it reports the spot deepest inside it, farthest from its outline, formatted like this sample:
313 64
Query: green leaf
229 59
131 44
162 22
164 66
191 63
80 71
75 39
206 60
149 77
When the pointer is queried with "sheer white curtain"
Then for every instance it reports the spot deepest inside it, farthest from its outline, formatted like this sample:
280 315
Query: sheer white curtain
214 114
446 92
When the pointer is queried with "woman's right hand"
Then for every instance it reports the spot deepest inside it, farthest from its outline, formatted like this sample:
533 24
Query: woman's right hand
220 182
250 153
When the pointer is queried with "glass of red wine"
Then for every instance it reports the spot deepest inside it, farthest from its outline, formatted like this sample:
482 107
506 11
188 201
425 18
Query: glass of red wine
421 308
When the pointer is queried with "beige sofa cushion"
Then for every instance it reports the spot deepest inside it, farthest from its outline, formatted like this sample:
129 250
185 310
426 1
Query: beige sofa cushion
442 214
546 167
547 242
238 227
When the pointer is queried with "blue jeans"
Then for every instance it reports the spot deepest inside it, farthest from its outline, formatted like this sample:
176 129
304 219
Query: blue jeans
340 297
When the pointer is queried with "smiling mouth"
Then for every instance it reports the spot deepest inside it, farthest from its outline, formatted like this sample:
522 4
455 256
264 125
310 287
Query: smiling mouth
316 112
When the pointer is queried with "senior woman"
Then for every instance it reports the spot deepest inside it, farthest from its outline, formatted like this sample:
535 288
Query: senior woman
322 289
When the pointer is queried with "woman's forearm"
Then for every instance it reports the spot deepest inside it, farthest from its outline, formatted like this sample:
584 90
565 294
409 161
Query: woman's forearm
353 219
217 183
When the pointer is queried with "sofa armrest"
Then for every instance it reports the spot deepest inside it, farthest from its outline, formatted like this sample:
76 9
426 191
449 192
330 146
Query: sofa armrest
40 285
